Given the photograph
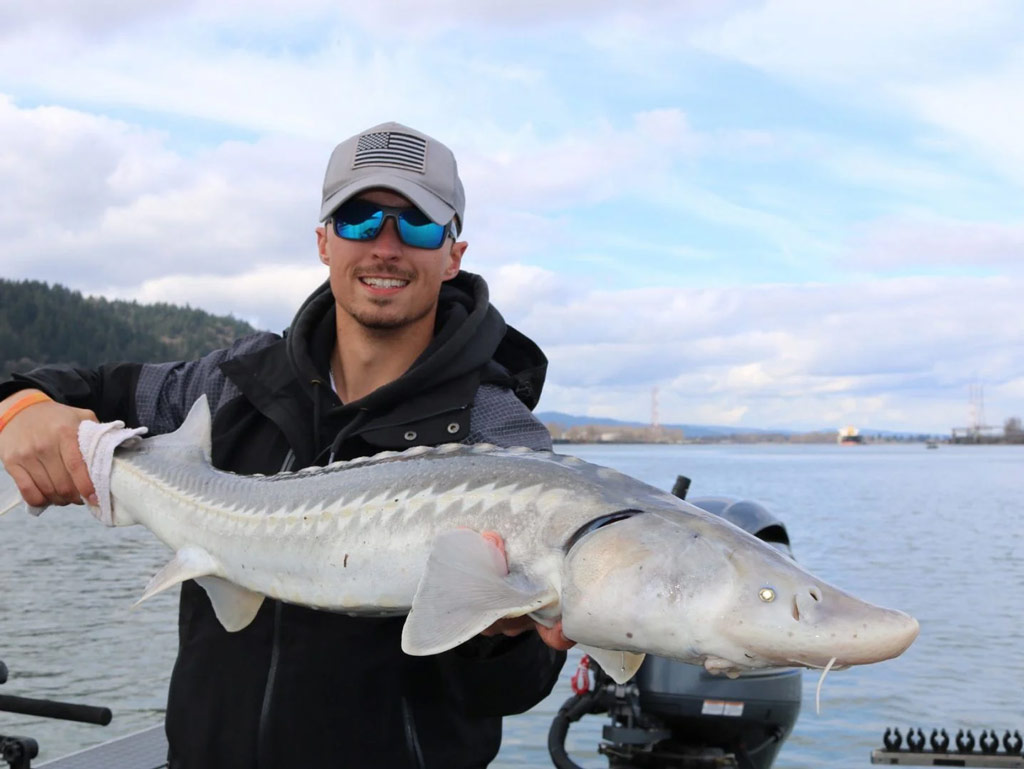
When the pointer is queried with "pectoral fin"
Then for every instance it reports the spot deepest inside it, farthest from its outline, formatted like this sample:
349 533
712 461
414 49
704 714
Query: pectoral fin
466 588
234 606
621 666
188 563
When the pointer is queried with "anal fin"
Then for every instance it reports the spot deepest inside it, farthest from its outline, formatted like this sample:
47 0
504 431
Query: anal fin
234 606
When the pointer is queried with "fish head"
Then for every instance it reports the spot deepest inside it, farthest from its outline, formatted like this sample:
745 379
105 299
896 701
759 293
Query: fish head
782 615
693 587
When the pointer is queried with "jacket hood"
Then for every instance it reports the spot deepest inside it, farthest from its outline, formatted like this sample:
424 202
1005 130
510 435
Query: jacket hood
469 335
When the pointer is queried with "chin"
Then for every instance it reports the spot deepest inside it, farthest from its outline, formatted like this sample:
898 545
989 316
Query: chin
386 317
386 321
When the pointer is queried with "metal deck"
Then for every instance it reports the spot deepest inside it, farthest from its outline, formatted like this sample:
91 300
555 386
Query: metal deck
142 750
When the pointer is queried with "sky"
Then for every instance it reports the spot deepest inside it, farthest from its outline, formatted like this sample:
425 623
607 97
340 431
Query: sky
774 214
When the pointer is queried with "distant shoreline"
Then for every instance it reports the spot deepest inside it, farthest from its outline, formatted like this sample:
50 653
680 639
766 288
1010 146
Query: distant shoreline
763 440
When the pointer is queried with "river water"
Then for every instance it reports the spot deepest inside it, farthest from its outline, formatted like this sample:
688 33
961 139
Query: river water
939 534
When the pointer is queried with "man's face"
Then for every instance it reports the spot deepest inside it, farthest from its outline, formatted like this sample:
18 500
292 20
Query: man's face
384 284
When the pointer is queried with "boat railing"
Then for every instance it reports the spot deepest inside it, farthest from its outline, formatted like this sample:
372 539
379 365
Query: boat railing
18 752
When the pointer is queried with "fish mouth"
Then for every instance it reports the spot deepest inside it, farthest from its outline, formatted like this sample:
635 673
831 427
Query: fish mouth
719 665
822 665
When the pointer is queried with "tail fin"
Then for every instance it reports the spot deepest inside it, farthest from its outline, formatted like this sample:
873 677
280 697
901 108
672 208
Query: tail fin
194 431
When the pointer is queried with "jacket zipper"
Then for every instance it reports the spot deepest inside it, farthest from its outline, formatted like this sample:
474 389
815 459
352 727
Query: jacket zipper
263 732
263 729
412 739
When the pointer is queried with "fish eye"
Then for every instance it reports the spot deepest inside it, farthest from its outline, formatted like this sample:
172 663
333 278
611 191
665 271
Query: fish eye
766 594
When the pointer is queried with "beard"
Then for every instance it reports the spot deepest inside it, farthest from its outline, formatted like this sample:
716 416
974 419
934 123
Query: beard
380 320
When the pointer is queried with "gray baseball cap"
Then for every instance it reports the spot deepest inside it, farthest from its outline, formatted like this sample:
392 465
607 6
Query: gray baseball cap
399 158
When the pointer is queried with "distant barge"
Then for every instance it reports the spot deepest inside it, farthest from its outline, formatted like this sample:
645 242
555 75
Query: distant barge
849 436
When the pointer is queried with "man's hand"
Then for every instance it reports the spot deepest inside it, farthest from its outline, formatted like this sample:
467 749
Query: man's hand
39 449
513 626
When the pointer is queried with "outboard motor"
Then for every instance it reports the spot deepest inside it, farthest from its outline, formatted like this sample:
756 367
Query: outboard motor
674 715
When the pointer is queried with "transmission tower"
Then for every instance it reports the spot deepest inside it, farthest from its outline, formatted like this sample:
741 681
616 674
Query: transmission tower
976 415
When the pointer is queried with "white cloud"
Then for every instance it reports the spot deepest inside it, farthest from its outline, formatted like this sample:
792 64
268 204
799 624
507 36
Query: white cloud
83 18
894 351
982 110
100 203
899 243
582 166
947 65
853 41
267 297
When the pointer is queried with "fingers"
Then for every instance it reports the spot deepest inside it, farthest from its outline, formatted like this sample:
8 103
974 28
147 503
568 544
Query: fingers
513 626
44 471
554 637
27 486
39 449
510 626
62 489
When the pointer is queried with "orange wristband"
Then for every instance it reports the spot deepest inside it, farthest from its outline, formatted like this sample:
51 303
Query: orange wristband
21 405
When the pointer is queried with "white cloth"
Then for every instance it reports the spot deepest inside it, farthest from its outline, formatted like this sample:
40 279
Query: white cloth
97 442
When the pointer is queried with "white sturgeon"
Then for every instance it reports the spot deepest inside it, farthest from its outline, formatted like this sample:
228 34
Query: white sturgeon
628 568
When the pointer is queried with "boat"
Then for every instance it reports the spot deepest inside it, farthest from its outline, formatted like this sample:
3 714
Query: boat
849 436
145 749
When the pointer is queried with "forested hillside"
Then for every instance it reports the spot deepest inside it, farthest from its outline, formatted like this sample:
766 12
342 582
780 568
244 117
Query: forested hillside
42 324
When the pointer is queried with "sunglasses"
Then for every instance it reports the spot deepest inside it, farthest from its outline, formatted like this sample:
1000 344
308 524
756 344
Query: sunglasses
363 220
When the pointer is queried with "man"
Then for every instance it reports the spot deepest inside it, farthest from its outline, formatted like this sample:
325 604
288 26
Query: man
399 348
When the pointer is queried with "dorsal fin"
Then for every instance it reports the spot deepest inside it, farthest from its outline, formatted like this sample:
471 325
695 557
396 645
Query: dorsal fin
194 431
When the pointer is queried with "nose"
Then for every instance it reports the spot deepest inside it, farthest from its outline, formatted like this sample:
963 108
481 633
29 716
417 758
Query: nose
387 244
805 600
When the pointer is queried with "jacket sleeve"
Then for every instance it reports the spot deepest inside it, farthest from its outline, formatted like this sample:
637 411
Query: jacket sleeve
499 417
108 390
157 395
501 676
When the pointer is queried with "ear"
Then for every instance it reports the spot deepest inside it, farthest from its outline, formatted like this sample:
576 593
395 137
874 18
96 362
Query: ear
455 255
321 245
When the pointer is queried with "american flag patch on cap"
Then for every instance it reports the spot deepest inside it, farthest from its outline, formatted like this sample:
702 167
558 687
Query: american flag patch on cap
389 148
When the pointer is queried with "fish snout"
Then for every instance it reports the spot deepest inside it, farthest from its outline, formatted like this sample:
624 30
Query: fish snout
851 630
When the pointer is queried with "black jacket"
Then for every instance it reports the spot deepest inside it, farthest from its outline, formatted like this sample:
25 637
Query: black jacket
303 688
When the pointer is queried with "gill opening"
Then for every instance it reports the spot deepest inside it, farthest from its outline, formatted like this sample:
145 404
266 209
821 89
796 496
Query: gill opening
597 523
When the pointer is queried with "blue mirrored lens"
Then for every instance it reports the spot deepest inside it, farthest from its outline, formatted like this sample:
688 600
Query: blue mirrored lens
357 220
416 230
361 220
